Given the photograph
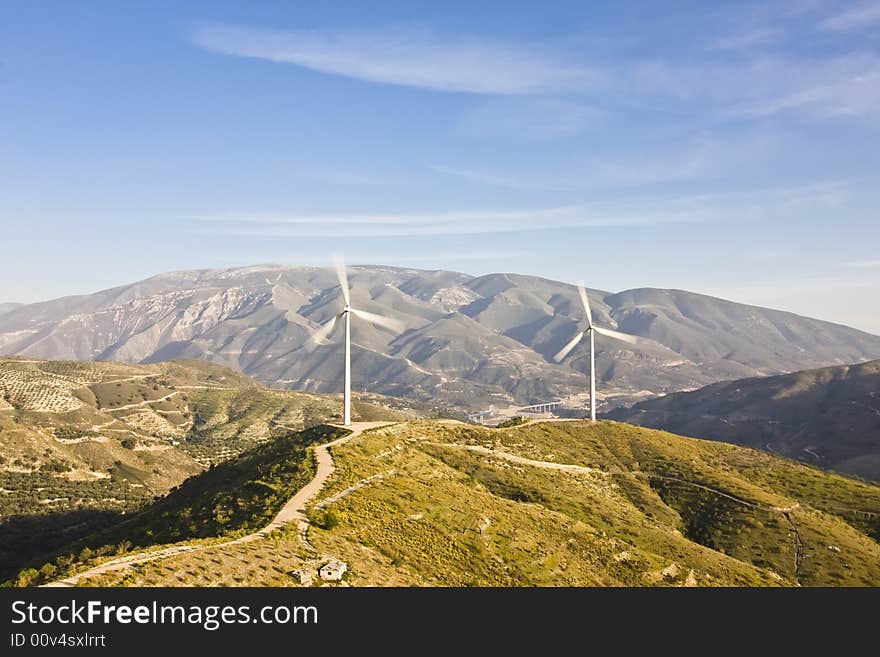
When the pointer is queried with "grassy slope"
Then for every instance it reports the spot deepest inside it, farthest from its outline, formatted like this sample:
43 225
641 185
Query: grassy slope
72 457
231 499
235 497
828 417
659 498
656 509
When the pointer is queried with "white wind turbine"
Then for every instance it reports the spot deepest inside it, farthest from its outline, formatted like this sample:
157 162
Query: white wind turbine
320 336
591 329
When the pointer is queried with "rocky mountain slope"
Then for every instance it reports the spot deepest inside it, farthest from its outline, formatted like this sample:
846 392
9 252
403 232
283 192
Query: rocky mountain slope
469 341
7 307
829 417
433 503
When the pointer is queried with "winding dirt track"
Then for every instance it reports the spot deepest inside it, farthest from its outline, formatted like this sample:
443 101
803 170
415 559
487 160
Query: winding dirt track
513 458
294 510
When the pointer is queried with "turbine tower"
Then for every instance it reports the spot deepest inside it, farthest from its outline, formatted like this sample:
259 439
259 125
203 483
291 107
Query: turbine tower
320 336
591 329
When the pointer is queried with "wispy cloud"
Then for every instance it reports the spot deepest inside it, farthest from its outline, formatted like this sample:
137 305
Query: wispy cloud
452 223
346 178
607 173
530 183
748 39
702 157
861 16
862 264
430 258
408 57
841 86
529 119
774 204
733 83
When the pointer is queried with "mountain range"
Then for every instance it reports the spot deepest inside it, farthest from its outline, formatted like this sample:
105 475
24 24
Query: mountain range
469 341
828 417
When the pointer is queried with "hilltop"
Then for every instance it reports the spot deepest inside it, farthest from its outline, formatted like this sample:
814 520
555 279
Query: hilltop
829 417
469 342
81 443
554 503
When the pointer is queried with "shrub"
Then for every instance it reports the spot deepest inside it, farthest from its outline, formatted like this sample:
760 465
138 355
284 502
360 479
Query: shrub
47 571
323 518
27 577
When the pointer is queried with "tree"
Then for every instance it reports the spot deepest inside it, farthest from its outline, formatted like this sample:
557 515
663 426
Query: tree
47 572
27 577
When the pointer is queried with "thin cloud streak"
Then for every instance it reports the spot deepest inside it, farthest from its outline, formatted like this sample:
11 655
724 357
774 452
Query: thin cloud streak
746 40
858 17
862 264
843 86
507 182
728 87
406 57
529 119
791 202
453 224
355 260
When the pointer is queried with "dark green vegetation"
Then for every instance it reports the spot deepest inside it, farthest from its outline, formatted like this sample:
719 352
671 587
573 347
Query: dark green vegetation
828 417
512 422
83 443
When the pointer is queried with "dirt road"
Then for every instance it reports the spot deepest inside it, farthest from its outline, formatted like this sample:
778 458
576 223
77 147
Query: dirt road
513 458
293 510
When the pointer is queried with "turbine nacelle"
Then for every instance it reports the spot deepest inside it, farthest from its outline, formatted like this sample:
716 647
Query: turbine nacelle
323 332
590 330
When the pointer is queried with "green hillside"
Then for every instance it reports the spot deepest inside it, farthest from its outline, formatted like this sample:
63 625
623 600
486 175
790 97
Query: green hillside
828 417
234 497
82 443
550 504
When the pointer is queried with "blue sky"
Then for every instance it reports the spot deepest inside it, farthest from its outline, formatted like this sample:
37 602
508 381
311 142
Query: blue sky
730 149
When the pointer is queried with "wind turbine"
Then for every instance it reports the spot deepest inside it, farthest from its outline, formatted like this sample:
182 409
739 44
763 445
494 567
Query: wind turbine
320 336
591 329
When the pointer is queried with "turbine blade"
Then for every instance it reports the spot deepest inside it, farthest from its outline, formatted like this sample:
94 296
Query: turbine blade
386 322
339 265
625 337
320 336
582 291
567 348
